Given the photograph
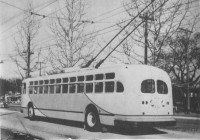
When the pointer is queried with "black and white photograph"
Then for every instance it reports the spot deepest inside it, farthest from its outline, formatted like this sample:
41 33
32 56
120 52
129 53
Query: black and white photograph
99 69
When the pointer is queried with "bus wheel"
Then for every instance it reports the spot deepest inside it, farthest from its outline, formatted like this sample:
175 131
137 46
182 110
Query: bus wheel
31 113
92 121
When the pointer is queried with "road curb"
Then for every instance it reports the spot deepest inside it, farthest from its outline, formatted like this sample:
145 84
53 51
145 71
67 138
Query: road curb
186 118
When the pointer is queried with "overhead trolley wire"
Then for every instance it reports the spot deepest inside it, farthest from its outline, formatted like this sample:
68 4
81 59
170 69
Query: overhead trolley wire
15 16
95 31
27 16
89 63
105 27
100 62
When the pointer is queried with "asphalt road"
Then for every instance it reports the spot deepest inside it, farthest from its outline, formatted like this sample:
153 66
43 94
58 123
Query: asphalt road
55 128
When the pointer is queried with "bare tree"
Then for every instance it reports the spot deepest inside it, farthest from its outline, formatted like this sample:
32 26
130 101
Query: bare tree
184 52
166 21
72 44
25 44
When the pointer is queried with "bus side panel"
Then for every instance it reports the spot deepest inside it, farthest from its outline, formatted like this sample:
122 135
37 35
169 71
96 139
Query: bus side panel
62 115
64 106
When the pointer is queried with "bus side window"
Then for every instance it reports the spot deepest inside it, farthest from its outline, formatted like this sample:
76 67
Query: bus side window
80 87
80 78
31 83
30 90
58 89
46 89
98 87
40 89
72 79
72 88
89 77
99 77
65 80
110 75
51 89
109 86
35 89
89 87
120 87
65 88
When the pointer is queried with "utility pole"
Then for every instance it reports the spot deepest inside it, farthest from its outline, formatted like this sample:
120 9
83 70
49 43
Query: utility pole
40 66
145 17
29 53
187 63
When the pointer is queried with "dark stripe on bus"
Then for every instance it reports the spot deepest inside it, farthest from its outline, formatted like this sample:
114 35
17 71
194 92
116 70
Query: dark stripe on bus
99 113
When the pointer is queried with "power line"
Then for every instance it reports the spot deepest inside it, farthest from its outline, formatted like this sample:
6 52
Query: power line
116 8
26 17
15 16
106 27
13 6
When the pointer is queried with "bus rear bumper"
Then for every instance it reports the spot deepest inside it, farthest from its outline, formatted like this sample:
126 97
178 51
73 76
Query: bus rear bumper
145 121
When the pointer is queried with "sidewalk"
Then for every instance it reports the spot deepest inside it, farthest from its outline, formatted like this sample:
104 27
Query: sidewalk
4 111
191 116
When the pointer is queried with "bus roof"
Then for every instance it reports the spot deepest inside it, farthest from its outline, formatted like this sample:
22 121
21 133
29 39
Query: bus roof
113 68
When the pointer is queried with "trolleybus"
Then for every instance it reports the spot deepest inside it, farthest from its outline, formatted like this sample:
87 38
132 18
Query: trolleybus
137 95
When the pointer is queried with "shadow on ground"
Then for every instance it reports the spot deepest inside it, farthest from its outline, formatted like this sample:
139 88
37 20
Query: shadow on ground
133 131
105 129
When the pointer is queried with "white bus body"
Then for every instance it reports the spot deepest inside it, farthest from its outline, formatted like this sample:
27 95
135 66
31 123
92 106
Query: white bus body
134 94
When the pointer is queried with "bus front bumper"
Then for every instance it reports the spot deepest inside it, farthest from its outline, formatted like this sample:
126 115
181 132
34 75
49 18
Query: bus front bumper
145 121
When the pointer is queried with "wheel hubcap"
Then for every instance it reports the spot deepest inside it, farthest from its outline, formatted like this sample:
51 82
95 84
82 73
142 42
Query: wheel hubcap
30 112
91 119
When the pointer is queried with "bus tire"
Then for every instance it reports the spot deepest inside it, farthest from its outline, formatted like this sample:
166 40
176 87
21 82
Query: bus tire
92 121
31 112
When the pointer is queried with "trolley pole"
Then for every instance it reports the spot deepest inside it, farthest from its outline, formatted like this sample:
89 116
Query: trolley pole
29 53
146 18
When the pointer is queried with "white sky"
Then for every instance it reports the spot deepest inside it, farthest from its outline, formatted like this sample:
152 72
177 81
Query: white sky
10 16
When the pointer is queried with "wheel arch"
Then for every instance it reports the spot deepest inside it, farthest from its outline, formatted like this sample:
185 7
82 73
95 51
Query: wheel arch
95 108
30 104
91 106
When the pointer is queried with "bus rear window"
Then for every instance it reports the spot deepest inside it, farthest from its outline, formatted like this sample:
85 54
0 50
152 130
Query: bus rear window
162 87
148 86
